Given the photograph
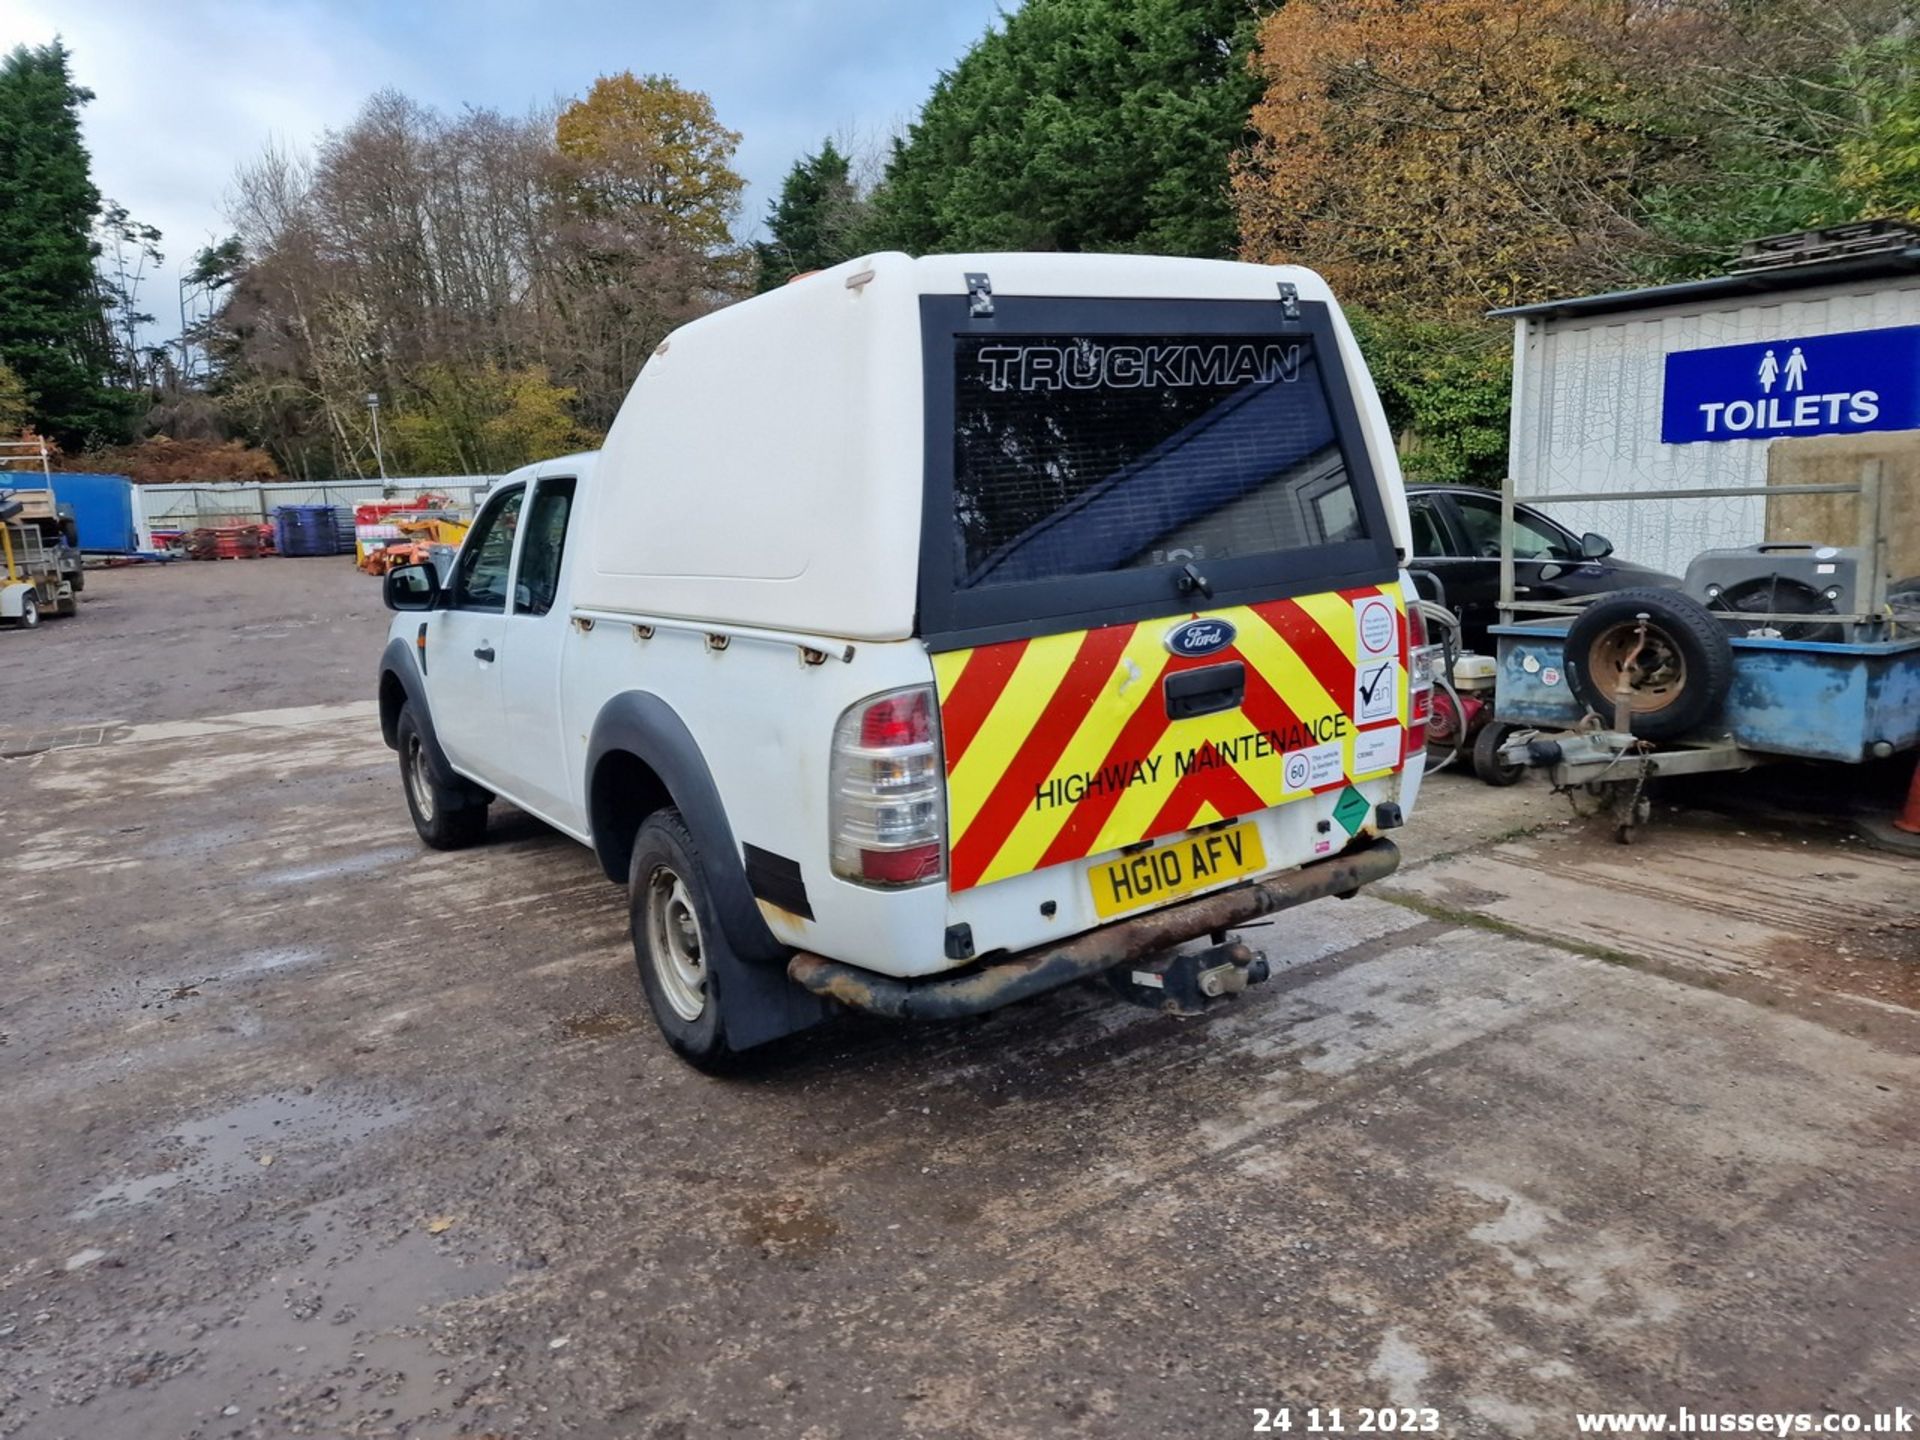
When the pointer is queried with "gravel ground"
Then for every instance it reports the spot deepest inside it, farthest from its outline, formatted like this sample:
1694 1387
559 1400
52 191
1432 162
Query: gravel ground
314 1132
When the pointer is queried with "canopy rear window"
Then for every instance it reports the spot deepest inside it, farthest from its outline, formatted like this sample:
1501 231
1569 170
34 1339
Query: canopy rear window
1085 467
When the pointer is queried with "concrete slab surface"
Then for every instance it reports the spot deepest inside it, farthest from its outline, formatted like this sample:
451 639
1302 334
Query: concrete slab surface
311 1131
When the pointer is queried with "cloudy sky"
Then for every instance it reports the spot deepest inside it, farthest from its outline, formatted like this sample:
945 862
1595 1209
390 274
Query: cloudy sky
186 90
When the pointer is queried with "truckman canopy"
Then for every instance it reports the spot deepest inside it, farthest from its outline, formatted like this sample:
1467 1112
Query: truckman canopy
898 456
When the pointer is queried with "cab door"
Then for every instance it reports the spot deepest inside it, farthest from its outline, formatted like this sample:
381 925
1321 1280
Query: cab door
464 642
536 631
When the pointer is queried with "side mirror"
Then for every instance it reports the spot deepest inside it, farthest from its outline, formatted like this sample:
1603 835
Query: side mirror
411 587
1595 547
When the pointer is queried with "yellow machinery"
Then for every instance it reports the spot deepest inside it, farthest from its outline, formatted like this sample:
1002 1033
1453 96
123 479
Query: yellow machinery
31 583
26 475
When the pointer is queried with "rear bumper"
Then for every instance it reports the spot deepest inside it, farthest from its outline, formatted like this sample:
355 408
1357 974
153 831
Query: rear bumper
988 987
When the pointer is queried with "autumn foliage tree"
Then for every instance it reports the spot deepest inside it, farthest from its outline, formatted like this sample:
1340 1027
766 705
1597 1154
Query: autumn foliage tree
1471 152
643 210
497 280
646 147
1437 158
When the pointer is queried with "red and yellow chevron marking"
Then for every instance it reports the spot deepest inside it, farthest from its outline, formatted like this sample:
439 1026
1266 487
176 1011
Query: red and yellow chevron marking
1059 747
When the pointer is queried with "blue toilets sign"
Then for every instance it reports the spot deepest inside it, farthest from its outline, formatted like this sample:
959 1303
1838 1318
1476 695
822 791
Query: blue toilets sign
1810 385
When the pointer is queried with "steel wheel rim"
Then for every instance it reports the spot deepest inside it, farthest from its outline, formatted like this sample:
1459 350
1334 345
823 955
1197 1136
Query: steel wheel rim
1659 674
675 945
29 613
419 784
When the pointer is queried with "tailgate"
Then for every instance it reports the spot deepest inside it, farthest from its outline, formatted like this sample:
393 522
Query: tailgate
1066 746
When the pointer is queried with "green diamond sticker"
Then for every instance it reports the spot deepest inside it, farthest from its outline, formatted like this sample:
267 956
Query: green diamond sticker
1351 810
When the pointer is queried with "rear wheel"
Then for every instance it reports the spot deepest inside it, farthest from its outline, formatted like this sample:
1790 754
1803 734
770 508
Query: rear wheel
447 817
29 616
676 941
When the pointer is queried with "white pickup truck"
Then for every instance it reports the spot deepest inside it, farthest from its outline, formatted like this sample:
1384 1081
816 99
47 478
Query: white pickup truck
933 632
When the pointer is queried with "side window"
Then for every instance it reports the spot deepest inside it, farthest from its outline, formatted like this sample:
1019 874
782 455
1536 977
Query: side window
1429 541
1337 513
1534 537
480 577
546 541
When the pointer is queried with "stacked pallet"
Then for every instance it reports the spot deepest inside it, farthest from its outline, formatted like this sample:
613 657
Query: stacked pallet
312 530
230 542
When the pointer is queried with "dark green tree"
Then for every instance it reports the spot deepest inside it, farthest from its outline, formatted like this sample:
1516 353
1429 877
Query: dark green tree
1080 125
53 327
819 220
1446 387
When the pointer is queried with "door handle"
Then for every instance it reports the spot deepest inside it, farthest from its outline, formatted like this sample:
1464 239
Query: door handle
1205 692
485 652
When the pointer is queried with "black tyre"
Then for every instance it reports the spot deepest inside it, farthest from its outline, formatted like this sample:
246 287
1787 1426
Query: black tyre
1677 679
1487 763
447 816
677 940
29 617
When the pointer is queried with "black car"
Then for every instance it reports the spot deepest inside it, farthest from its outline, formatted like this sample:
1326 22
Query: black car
1456 536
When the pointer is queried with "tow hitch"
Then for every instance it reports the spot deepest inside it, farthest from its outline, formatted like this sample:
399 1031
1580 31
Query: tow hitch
1188 982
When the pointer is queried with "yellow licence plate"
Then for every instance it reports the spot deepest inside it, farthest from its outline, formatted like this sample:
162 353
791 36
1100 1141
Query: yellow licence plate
1194 862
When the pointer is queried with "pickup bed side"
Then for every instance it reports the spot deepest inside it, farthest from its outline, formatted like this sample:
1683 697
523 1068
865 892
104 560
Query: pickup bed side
641 756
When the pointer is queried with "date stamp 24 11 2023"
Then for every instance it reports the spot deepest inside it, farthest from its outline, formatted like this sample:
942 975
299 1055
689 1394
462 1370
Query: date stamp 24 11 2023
1345 1420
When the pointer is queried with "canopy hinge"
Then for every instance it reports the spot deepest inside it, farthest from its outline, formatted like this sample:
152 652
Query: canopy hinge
1289 300
979 294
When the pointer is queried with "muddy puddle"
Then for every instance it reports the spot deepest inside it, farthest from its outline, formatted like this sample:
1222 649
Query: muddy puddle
238 1145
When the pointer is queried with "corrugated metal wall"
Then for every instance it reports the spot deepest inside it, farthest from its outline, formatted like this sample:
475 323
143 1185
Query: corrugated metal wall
1587 396
166 507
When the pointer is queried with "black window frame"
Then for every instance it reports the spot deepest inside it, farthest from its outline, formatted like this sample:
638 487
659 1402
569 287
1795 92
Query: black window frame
950 618
539 487
489 514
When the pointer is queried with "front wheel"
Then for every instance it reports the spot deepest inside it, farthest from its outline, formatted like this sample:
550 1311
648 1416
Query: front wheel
676 941
447 817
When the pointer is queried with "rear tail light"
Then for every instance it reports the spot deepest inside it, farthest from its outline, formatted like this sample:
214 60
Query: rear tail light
1423 660
888 806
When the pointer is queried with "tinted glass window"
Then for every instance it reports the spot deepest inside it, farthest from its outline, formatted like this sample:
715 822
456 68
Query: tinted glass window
480 581
546 541
1428 541
1534 536
1078 455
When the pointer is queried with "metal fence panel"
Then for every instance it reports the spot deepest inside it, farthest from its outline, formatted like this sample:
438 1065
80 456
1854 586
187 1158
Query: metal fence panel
187 507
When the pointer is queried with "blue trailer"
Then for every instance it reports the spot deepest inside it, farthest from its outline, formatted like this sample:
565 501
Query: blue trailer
104 510
1804 699
1611 692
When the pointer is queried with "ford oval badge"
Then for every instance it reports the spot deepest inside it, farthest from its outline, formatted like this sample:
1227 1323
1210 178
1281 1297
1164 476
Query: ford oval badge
1192 638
